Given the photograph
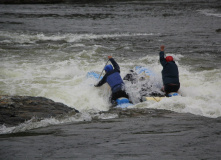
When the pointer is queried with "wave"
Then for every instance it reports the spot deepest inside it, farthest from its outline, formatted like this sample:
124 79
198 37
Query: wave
210 12
33 123
59 73
67 83
9 37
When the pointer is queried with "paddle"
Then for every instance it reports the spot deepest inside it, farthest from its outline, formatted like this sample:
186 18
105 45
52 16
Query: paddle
103 68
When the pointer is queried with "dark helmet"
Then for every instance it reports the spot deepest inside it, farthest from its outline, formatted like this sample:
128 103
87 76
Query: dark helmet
169 58
108 68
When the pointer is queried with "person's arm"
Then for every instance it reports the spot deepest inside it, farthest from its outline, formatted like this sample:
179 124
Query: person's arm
114 63
162 59
101 82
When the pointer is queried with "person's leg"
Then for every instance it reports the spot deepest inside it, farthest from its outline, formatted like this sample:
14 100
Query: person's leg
113 99
176 88
171 88
167 90
119 94
123 94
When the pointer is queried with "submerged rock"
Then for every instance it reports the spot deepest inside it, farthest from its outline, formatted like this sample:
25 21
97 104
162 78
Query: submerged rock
18 109
218 30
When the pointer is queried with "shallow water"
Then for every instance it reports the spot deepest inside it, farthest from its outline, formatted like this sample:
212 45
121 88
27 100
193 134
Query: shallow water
157 135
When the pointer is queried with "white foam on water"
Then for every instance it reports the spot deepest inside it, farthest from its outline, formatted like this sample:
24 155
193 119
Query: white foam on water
200 90
34 123
25 38
210 12
64 80
201 93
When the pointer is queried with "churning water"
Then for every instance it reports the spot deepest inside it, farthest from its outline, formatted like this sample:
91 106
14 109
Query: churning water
47 50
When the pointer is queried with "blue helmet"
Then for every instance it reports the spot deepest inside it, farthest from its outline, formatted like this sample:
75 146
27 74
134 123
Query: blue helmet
108 68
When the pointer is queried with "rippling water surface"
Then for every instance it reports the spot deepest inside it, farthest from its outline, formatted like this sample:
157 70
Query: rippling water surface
47 50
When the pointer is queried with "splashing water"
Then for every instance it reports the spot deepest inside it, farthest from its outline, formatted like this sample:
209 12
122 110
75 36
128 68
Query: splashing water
55 66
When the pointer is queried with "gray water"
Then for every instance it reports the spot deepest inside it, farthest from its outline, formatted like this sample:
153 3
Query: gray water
157 135
47 50
185 27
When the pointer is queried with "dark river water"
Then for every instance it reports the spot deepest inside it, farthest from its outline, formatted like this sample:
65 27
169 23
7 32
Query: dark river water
47 50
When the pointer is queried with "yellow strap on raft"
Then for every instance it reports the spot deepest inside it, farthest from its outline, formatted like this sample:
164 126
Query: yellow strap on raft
157 99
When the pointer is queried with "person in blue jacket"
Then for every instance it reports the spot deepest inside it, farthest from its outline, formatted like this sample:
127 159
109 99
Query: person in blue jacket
170 73
113 78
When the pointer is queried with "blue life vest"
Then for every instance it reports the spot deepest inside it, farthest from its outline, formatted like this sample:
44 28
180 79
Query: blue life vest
114 79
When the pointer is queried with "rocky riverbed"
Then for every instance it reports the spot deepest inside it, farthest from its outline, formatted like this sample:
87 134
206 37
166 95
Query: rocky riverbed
18 109
137 134
15 110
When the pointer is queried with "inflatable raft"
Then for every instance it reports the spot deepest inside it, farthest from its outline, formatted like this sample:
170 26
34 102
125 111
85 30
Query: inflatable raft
141 72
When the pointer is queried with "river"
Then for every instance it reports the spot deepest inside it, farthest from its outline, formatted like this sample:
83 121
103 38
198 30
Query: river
47 50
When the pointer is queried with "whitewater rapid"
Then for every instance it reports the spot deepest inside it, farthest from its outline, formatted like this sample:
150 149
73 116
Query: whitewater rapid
61 76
